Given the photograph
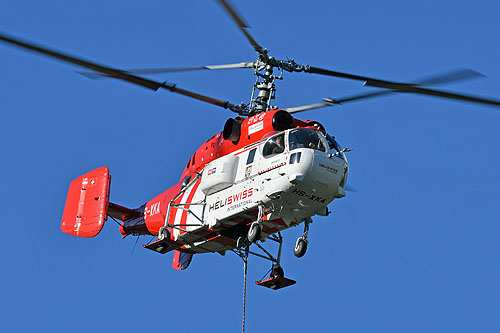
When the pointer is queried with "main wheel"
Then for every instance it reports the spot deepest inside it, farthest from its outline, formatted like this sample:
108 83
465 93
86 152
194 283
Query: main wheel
300 247
164 234
254 232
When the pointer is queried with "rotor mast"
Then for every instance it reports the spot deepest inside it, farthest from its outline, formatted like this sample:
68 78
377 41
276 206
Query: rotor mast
265 86
265 82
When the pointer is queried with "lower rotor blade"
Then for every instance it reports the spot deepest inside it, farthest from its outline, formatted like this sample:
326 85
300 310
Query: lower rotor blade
326 102
333 102
187 69
119 74
350 188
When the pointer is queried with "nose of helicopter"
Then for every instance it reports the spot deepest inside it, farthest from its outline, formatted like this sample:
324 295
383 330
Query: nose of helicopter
318 172
328 171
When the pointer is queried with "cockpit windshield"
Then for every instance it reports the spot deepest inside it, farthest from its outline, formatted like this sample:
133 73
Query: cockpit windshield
307 138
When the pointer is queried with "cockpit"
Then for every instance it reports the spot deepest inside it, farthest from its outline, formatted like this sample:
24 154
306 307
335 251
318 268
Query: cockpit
275 145
306 138
301 138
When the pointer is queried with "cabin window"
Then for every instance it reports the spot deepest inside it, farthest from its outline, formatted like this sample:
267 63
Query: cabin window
193 159
274 146
251 156
185 181
307 138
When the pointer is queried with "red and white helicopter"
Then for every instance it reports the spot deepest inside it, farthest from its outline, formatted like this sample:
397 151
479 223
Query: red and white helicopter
265 172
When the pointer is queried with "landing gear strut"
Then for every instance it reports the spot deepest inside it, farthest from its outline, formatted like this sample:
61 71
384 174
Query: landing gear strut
301 244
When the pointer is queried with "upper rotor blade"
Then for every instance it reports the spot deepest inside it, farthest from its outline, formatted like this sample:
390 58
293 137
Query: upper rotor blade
449 95
381 83
452 76
402 87
242 25
93 75
119 74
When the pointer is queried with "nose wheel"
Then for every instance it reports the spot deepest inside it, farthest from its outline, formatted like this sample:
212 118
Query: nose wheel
300 247
255 229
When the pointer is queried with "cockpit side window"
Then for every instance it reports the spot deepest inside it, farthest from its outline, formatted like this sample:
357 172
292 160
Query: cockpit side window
332 144
274 146
306 138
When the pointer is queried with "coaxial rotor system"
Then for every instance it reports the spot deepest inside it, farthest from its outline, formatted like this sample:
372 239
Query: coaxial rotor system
264 67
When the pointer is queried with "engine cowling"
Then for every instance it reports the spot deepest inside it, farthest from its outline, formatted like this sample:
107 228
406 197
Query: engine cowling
232 129
282 120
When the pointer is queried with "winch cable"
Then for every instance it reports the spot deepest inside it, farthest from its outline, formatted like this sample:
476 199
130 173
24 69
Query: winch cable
245 264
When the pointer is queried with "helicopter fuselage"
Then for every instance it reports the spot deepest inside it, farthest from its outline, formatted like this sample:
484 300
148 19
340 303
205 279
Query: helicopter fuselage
290 187
281 180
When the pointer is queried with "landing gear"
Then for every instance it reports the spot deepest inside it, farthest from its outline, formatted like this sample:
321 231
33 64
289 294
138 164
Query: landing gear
300 247
242 242
254 232
256 227
163 233
301 244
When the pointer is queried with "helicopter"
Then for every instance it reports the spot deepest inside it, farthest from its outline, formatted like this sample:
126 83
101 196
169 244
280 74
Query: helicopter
238 189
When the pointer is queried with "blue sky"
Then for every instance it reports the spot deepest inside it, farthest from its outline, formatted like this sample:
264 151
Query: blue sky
416 249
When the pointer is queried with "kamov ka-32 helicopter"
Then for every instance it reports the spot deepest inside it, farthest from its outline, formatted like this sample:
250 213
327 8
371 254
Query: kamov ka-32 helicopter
265 172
